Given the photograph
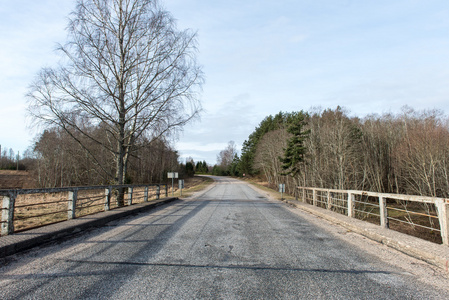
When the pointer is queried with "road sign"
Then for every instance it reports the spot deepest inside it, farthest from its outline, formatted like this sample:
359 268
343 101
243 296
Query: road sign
172 175
181 185
282 188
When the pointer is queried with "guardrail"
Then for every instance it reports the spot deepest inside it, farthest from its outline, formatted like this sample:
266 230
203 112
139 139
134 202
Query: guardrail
28 208
424 217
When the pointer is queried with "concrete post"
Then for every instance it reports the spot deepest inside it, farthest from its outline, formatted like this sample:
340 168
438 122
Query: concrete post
383 212
107 198
443 217
351 199
158 192
145 195
314 197
71 209
8 214
130 196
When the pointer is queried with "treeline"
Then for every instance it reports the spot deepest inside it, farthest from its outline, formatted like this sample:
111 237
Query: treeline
57 159
405 153
9 160
227 162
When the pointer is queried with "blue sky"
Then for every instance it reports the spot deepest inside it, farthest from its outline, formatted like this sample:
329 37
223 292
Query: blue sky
259 58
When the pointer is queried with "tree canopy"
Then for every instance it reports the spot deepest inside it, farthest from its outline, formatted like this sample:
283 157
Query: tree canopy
125 69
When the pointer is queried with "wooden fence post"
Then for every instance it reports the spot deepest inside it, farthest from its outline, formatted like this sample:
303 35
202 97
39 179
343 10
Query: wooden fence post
329 199
158 192
107 198
166 190
383 212
130 196
443 217
145 195
351 198
8 214
304 195
314 197
71 209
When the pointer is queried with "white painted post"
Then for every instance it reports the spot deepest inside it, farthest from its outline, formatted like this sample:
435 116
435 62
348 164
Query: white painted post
158 192
443 217
8 214
107 198
130 196
383 212
351 198
314 197
71 209
145 195
328 199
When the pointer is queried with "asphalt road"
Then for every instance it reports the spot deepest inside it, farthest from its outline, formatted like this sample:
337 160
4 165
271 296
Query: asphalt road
228 243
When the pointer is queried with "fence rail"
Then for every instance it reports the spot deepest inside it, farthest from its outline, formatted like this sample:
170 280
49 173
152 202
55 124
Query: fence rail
425 217
27 208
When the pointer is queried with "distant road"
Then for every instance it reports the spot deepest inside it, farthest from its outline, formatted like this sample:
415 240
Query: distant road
228 243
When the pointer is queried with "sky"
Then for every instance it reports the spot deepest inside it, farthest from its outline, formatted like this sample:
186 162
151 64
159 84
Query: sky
259 58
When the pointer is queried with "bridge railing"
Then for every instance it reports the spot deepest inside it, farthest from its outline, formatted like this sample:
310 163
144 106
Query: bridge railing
24 209
424 217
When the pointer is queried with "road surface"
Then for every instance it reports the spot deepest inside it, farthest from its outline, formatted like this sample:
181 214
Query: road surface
228 243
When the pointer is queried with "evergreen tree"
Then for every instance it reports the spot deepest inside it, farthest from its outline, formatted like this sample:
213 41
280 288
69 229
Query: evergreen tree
295 151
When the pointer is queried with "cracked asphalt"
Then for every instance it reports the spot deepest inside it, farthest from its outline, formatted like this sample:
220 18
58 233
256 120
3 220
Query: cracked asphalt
229 242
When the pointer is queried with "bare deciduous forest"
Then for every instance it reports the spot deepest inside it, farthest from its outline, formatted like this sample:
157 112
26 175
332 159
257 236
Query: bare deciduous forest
405 153
57 160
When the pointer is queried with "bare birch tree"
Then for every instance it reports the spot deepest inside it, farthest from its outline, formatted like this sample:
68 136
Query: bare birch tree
125 67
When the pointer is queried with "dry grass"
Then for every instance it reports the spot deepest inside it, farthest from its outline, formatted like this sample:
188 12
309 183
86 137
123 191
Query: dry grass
263 185
191 185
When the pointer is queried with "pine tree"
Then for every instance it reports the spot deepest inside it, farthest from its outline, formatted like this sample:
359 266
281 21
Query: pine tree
295 151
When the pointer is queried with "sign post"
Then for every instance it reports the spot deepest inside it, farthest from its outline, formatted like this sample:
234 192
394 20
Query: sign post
172 175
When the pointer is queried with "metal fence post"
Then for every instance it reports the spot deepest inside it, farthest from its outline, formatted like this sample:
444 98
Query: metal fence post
8 214
158 192
166 190
107 198
443 218
351 198
145 195
130 196
314 197
383 212
71 209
